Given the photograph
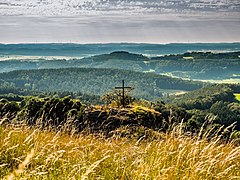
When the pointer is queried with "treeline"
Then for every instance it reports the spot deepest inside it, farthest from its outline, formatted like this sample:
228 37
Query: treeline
12 93
11 65
200 55
95 81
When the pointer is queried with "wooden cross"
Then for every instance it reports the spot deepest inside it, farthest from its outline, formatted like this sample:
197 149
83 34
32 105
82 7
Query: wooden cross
123 92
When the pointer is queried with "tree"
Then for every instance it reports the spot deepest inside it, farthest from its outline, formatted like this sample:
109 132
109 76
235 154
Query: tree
114 98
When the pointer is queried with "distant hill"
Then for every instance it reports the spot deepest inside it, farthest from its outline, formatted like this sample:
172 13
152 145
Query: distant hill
195 55
119 55
194 65
86 50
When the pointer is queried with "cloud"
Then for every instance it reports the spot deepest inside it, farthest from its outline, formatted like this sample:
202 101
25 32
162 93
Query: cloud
98 29
93 7
157 21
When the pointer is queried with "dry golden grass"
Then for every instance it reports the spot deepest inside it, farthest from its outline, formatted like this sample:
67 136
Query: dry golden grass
36 154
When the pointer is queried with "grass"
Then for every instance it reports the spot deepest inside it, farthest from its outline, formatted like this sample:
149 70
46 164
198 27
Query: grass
237 97
28 153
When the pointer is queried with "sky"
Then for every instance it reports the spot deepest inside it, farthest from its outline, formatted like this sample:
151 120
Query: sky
105 21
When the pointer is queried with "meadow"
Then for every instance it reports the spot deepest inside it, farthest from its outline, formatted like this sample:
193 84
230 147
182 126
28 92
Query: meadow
237 96
31 153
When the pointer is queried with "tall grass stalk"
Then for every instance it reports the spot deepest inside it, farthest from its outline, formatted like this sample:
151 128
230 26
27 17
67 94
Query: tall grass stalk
59 155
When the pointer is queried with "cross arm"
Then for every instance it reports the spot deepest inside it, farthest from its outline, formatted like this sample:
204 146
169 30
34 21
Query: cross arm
122 87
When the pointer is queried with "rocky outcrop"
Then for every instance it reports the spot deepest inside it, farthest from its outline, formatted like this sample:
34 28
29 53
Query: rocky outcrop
106 120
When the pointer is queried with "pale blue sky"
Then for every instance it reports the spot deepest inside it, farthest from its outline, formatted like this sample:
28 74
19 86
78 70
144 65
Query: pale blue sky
94 21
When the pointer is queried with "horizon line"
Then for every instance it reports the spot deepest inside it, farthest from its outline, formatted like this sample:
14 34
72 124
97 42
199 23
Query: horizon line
93 43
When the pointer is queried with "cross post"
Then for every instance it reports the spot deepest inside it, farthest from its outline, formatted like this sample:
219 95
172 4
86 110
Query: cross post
123 92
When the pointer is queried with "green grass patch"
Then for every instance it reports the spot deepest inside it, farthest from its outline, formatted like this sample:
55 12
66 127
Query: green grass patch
237 97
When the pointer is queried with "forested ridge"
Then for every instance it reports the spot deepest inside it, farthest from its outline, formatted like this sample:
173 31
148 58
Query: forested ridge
95 81
217 101
203 98
191 65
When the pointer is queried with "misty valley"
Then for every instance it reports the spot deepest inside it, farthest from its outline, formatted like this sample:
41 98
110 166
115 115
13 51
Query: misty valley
205 66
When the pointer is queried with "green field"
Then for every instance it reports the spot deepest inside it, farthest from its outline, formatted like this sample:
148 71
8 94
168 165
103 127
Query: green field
237 97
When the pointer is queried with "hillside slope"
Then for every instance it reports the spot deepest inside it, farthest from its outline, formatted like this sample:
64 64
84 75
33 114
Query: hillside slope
96 81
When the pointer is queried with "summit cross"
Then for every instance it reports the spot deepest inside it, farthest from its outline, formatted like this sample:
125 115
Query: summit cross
123 87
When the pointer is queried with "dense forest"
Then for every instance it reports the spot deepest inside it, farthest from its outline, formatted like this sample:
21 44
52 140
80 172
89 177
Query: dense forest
95 81
217 101
203 98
